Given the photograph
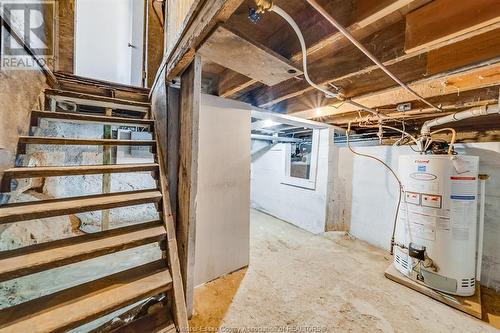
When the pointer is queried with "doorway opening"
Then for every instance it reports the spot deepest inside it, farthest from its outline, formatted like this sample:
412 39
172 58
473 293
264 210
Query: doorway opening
109 40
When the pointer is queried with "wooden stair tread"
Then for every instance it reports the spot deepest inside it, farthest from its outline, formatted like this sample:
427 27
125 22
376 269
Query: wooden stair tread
39 257
97 98
57 207
40 140
103 83
78 305
53 171
82 117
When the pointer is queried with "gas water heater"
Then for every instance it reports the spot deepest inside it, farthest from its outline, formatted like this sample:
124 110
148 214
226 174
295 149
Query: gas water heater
436 230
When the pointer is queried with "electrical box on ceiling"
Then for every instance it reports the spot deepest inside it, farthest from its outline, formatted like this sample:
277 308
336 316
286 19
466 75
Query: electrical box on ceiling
437 221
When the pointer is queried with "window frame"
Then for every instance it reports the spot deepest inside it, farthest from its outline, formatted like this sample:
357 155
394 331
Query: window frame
309 183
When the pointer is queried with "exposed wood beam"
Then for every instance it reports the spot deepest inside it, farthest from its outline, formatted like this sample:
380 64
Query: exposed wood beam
463 136
235 51
366 12
204 19
473 77
232 84
468 51
386 45
358 84
442 20
190 96
211 13
450 102
471 136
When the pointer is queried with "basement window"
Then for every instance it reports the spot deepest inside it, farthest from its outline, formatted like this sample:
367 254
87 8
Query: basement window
301 159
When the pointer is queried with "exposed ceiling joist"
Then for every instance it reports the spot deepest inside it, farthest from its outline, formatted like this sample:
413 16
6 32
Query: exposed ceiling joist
234 51
387 45
474 77
442 20
366 12
449 102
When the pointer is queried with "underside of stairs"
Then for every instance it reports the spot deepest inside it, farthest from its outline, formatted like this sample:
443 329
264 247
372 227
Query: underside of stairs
117 108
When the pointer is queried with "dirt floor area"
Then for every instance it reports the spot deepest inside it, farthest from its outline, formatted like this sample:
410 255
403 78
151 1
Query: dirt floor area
299 282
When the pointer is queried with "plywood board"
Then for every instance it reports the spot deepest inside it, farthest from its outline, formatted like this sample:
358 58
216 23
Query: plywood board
443 20
223 193
470 305
233 51
472 50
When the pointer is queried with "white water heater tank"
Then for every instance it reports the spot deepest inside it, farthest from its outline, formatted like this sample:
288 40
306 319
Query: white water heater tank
439 212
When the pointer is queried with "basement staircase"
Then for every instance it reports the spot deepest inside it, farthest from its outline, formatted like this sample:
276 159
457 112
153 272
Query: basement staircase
80 100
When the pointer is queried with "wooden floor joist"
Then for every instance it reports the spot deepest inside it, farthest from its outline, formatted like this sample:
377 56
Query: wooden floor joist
55 171
39 257
81 304
58 207
79 117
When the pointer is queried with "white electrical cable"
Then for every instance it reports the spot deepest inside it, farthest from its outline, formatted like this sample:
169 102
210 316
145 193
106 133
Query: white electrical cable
360 46
296 28
406 135
329 94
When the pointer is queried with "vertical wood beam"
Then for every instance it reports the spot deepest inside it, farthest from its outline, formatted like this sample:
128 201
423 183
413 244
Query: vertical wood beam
188 169
106 177
173 137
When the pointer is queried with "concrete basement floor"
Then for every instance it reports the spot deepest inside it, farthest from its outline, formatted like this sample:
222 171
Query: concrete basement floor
300 282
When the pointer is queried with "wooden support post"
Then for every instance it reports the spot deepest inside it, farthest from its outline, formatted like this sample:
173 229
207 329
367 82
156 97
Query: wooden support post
53 104
106 177
188 169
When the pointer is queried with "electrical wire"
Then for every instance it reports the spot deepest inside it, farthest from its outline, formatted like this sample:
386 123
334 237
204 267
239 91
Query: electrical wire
360 46
328 94
395 176
405 133
296 28
453 137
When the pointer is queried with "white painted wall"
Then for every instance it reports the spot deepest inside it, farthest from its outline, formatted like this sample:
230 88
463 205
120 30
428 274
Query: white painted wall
103 30
223 194
374 197
305 208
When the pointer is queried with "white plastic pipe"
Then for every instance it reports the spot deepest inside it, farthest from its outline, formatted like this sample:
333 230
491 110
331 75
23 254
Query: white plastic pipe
480 237
474 112
360 46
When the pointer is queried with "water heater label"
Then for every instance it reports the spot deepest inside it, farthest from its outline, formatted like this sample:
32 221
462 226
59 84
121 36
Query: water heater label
463 188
